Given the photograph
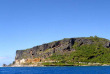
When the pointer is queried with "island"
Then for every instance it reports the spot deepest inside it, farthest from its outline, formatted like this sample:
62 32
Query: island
82 51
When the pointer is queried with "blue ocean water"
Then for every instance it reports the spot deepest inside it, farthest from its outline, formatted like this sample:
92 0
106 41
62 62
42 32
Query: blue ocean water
56 70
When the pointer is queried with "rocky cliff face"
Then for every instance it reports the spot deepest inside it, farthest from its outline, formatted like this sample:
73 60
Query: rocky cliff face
48 49
38 53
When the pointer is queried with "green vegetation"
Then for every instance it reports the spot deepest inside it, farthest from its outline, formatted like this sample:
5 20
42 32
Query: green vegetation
28 49
57 64
96 39
87 53
47 50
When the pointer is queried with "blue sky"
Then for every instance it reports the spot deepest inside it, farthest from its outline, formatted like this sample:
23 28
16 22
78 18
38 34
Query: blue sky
27 23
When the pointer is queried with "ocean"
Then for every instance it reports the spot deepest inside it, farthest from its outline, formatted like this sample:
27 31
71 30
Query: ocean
56 70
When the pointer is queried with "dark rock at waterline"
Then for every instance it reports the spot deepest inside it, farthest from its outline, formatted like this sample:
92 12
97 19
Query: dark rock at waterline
4 65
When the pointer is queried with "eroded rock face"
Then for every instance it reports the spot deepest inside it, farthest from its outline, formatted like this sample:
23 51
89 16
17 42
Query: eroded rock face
107 45
46 50
83 41
66 46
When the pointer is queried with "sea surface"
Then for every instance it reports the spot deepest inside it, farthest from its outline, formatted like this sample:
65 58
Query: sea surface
56 70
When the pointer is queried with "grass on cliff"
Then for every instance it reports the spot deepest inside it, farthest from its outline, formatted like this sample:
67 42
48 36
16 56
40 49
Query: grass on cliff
94 53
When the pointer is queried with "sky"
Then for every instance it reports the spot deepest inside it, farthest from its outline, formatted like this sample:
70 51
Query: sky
28 23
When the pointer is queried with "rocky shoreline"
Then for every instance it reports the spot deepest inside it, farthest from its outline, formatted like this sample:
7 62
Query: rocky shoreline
76 64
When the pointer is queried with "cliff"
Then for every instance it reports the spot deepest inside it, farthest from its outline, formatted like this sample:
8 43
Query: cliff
48 49
68 50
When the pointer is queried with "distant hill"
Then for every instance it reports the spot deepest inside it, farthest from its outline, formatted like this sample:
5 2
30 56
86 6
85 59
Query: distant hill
69 51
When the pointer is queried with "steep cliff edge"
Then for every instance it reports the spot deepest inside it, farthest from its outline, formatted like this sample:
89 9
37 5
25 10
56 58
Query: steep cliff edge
64 51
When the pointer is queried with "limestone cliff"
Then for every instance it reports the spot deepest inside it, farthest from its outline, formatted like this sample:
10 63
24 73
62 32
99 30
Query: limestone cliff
41 52
48 49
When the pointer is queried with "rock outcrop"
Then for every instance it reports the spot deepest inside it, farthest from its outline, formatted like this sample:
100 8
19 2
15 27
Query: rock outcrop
4 65
48 49
41 52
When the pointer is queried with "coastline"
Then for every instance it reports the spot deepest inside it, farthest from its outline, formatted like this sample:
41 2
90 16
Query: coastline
59 66
54 65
